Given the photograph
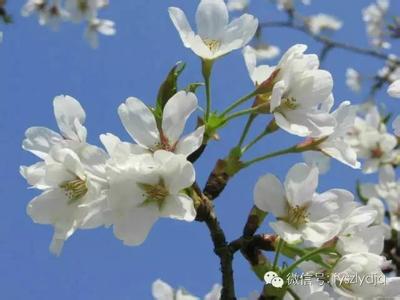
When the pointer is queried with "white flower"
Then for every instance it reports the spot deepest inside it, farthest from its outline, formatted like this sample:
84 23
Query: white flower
96 26
380 209
363 266
357 235
389 190
300 90
394 89
313 290
70 117
302 214
321 22
396 126
258 74
261 52
289 4
318 159
239 5
146 187
215 293
374 18
74 191
353 80
371 121
49 14
141 124
163 291
377 149
216 36
266 51
336 144
79 10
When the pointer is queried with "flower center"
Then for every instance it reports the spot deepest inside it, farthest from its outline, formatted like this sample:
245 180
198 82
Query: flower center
164 144
213 45
75 189
297 215
289 103
154 193
376 152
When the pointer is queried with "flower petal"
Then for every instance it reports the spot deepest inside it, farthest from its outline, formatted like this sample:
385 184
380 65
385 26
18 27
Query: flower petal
139 121
269 196
211 19
70 116
301 183
394 89
239 32
133 226
180 207
182 25
162 291
176 112
288 233
51 207
190 143
39 140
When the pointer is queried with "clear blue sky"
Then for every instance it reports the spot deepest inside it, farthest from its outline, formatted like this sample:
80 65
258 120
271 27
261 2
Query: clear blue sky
37 64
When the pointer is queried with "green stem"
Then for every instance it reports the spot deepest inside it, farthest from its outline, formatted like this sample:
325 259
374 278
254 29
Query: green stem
256 140
293 149
278 251
241 113
246 129
238 102
304 258
206 70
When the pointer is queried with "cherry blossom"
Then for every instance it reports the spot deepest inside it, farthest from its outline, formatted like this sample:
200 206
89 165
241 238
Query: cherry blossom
146 187
141 124
216 36
302 214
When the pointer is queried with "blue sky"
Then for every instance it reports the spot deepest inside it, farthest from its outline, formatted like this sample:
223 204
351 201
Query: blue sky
38 64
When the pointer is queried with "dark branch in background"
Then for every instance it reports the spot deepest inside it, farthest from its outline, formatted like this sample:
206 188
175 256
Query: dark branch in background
329 42
4 15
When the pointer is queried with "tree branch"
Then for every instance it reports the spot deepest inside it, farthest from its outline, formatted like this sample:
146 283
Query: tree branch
206 213
329 42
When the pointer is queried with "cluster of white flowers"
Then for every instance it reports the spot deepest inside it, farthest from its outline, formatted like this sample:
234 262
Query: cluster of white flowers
131 185
372 142
53 12
330 219
374 17
323 22
289 4
353 80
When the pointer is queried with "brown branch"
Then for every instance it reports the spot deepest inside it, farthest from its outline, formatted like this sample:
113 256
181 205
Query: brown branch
329 42
206 213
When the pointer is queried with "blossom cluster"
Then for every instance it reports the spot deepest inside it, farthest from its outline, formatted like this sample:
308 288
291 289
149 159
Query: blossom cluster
54 12
130 185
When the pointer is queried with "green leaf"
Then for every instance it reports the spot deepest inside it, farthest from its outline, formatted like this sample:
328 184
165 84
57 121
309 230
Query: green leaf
192 87
168 88
359 194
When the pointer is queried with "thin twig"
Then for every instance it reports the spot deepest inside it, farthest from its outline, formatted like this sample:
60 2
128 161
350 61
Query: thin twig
329 42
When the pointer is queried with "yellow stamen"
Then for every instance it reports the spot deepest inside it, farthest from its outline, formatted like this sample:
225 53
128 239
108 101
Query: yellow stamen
155 193
213 45
75 189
